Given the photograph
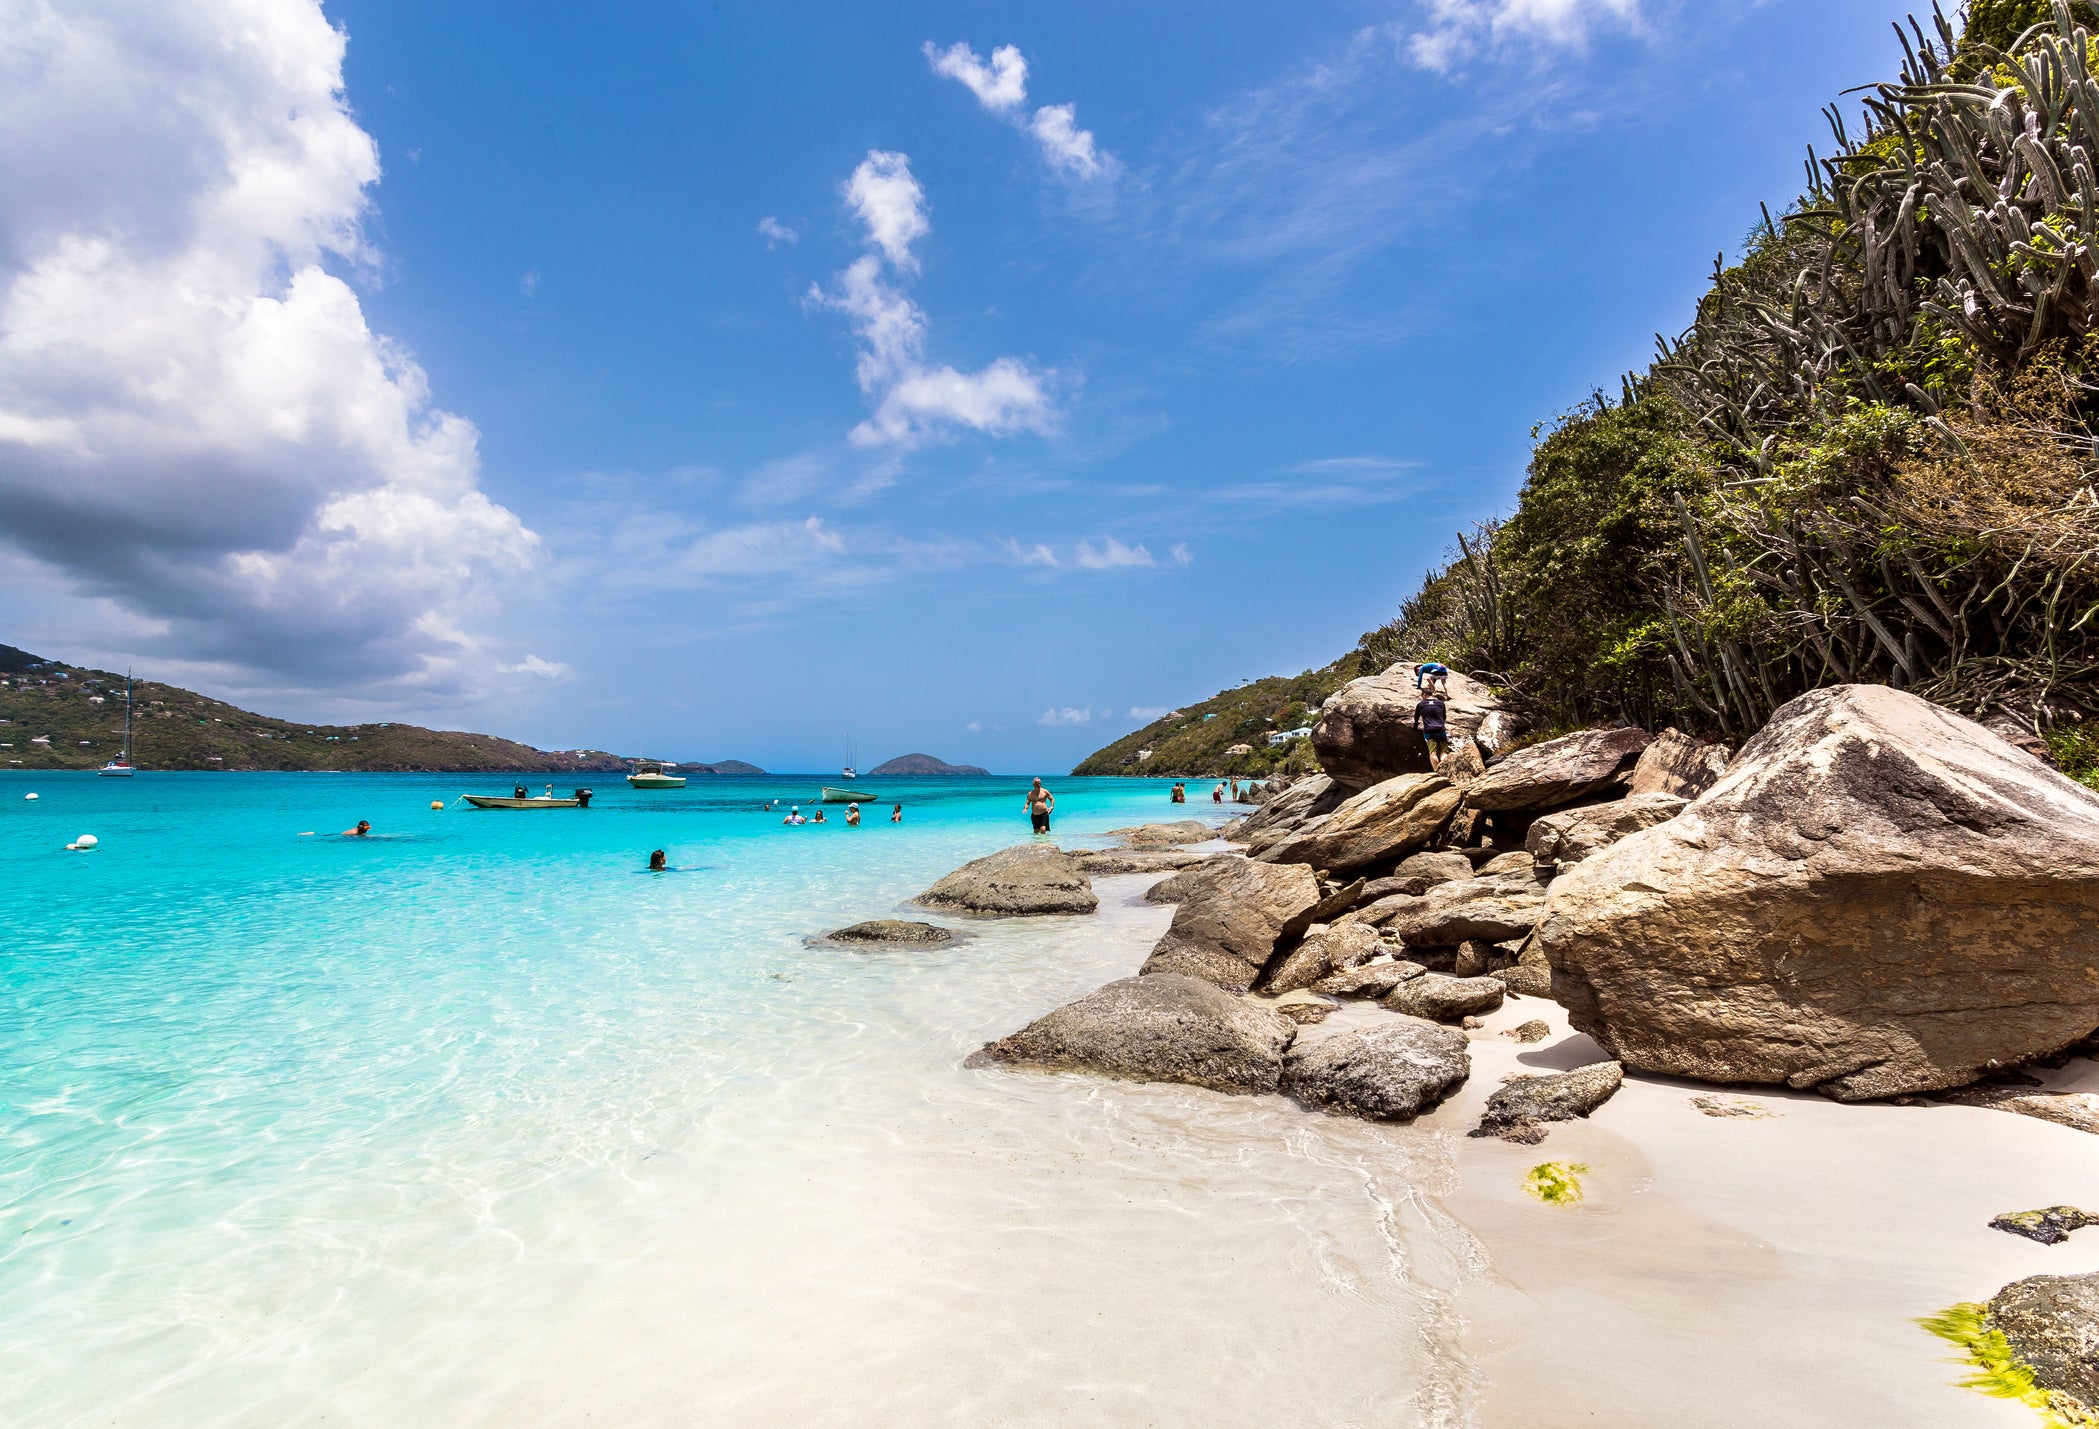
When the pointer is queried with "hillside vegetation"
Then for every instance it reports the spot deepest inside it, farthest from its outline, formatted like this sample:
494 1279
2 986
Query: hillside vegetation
81 713
1871 456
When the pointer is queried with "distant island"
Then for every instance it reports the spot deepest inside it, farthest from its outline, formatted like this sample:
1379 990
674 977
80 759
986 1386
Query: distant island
907 764
59 716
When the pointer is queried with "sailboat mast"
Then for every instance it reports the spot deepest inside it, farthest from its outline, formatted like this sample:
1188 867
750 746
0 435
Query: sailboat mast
127 716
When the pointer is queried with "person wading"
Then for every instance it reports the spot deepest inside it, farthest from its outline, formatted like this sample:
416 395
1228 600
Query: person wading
1040 802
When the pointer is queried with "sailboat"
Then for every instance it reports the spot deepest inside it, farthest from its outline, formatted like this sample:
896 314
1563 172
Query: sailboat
846 796
120 767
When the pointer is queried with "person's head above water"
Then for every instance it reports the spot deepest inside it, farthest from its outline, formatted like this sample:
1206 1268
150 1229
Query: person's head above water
364 826
657 862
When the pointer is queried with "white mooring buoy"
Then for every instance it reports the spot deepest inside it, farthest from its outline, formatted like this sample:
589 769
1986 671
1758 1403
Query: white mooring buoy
83 843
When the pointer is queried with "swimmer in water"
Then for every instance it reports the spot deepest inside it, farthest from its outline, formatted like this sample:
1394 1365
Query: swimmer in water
794 816
363 830
819 817
658 863
852 816
896 815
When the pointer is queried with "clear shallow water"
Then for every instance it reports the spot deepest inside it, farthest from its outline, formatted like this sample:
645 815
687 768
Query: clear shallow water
475 1123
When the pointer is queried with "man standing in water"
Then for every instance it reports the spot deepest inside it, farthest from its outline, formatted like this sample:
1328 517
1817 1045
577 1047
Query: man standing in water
1039 802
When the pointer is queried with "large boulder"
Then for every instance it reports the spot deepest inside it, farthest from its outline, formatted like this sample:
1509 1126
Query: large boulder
1559 771
1383 822
1324 952
1572 835
1372 980
1306 799
1489 910
1160 1028
1174 887
2051 1323
1441 998
1231 920
1366 733
1678 764
1880 898
1391 1072
1025 880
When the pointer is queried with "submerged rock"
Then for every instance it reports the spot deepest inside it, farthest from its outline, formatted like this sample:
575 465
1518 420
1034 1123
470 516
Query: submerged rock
2051 1323
1230 921
1181 831
894 932
1023 881
1559 771
1391 1072
1156 1028
2050 1226
1520 1106
1442 998
1105 862
1880 898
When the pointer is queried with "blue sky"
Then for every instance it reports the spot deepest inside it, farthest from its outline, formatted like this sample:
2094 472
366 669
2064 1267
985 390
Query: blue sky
735 380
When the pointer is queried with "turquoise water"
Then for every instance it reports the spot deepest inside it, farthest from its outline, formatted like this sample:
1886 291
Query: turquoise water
476 1122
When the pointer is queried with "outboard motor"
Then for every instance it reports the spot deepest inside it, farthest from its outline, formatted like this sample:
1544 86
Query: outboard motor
583 798
519 792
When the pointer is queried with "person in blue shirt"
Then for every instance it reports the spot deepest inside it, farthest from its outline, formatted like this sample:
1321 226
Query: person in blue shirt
1433 679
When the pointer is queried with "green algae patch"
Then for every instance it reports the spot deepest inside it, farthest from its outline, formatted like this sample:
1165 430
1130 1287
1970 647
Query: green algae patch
1994 1369
1556 1183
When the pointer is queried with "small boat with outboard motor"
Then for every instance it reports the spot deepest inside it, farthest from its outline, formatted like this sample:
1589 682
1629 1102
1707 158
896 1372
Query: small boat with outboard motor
847 796
521 800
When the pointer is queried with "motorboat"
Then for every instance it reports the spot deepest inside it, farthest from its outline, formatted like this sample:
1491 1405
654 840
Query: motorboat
521 800
120 767
654 774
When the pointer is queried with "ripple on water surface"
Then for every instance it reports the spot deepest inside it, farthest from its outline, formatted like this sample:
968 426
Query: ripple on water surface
477 1125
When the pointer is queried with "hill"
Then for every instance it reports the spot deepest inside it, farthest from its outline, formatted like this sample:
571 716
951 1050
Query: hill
59 716
1195 741
908 764
725 766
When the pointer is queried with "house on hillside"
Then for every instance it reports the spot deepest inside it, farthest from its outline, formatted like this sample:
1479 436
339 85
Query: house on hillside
1284 736
1238 749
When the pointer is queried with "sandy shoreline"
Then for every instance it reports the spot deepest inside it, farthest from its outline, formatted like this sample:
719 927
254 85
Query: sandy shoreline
1720 1271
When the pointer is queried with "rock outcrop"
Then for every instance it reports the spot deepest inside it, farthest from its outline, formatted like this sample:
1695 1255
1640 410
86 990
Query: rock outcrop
1381 823
1489 910
1366 734
1441 998
2051 1225
1290 811
1419 872
1230 920
1175 887
1559 771
1023 881
1372 980
1160 1028
1324 952
1678 764
1103 863
2051 1323
1521 1105
1392 1072
1572 835
1880 898
892 932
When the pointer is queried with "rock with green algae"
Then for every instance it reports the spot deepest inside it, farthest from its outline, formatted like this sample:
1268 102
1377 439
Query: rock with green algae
2036 1342
1556 1183
2050 1226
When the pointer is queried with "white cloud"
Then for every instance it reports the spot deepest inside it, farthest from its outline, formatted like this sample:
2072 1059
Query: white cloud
1002 88
915 402
529 283
973 727
890 203
1148 713
1066 715
999 86
1035 555
544 669
1457 29
775 232
1180 554
1068 148
195 420
1110 554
